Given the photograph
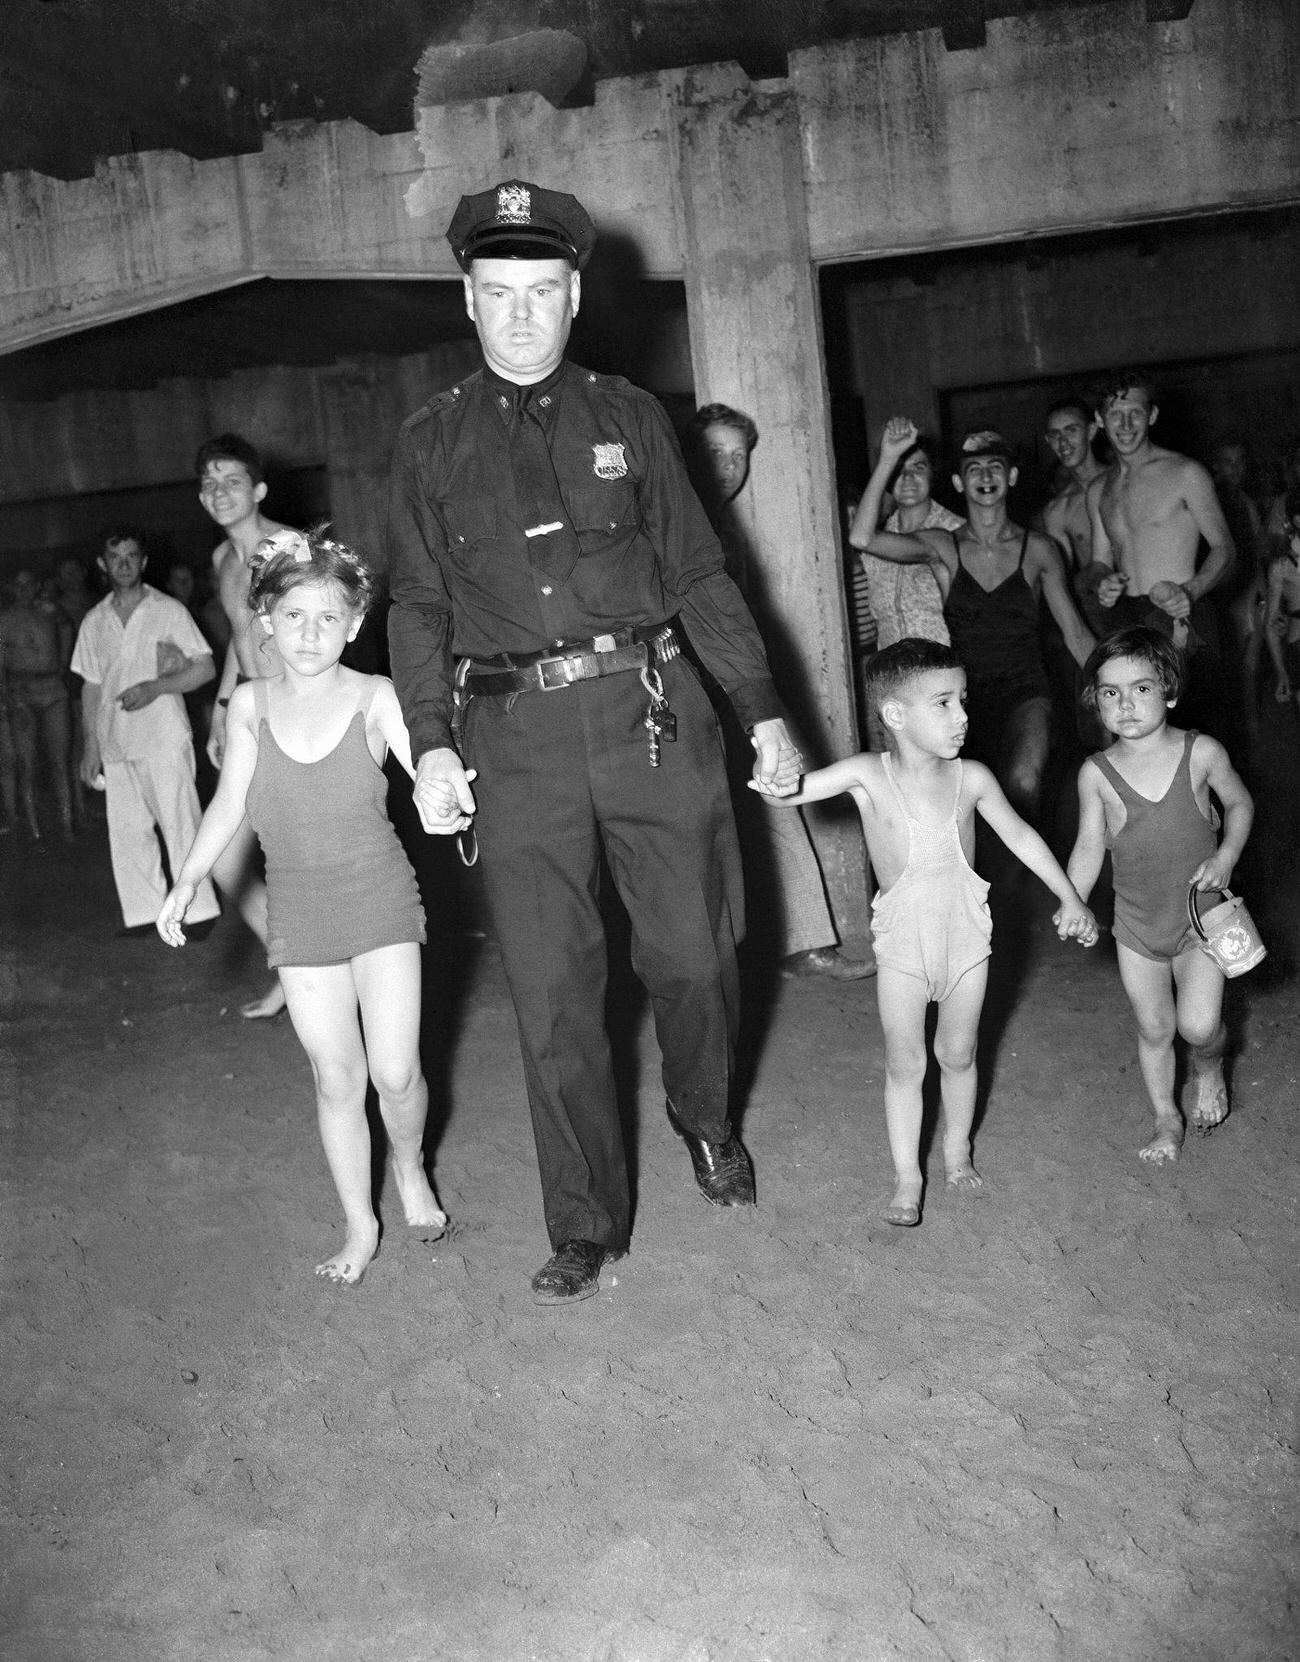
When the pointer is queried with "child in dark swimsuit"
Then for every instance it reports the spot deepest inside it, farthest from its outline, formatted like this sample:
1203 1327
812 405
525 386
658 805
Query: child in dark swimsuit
1147 799
304 758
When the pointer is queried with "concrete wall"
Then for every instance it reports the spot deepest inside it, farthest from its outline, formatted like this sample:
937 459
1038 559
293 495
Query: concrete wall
1187 293
343 418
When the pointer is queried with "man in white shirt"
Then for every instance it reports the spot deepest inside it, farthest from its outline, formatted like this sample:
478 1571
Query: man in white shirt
138 653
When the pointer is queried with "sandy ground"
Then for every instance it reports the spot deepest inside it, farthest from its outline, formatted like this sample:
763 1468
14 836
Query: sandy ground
1056 1421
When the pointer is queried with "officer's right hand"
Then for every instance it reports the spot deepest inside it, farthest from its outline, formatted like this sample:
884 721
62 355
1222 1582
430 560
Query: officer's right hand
442 795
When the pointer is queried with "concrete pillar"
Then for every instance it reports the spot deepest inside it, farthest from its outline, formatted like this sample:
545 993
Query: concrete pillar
752 305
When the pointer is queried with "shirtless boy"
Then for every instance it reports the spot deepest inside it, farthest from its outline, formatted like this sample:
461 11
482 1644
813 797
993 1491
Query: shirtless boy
1150 511
931 919
231 489
1147 799
37 646
997 576
1068 431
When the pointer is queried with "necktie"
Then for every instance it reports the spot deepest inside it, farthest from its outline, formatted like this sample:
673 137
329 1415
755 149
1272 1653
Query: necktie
552 541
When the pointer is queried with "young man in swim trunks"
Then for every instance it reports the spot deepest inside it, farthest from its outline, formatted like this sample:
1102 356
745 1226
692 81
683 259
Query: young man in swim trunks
1147 799
931 919
231 489
1150 511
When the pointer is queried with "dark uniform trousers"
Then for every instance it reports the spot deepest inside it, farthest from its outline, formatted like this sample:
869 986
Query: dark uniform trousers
562 776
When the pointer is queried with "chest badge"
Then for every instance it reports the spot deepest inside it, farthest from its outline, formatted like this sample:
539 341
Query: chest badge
610 462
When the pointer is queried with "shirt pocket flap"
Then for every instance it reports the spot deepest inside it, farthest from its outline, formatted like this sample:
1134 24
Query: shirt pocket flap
471 521
603 508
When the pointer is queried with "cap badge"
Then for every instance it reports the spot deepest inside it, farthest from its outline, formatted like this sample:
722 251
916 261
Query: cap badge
514 205
610 462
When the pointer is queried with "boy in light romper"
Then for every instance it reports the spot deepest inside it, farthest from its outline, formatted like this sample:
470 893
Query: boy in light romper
931 920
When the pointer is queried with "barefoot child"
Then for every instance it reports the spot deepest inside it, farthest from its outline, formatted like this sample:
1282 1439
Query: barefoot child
931 920
303 756
1147 799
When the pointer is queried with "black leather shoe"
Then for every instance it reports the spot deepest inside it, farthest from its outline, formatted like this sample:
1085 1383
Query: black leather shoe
570 1273
722 1170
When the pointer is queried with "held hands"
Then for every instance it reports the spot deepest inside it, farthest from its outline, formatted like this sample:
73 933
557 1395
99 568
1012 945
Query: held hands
1074 920
169 920
442 795
777 764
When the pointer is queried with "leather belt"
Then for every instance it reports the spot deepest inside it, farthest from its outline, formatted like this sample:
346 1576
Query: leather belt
548 670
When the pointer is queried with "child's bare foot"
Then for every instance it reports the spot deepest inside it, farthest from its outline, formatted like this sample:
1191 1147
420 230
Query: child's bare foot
346 1268
904 1210
424 1217
961 1175
262 1009
1164 1146
1211 1099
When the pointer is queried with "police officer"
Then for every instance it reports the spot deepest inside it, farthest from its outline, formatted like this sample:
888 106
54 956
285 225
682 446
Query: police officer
546 551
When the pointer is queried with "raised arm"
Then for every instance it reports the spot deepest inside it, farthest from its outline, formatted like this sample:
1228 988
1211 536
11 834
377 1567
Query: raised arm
898 438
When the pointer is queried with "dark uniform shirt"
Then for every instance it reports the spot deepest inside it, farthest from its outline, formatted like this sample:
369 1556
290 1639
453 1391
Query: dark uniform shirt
633 545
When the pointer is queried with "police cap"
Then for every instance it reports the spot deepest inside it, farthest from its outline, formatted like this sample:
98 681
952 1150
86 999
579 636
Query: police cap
518 221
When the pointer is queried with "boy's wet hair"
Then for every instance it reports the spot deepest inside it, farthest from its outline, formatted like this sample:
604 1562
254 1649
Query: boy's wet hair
289 558
229 447
1147 646
896 667
1120 381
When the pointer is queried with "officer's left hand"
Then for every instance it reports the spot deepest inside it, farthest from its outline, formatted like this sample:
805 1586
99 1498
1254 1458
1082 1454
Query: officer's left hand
777 763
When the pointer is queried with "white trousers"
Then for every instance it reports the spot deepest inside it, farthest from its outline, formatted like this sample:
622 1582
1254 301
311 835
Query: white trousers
801 894
156 791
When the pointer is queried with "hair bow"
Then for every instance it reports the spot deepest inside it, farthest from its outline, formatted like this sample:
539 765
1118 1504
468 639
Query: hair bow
287 542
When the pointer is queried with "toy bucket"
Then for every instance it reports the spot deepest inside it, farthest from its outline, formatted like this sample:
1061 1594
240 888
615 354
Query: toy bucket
1227 933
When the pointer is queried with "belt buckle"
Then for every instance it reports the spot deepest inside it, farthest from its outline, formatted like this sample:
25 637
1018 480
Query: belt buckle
554 673
604 643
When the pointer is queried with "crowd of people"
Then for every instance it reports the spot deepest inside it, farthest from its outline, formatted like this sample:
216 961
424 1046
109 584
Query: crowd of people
566 630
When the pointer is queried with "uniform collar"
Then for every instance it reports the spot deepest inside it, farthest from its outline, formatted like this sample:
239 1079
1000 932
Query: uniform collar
508 395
